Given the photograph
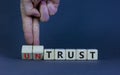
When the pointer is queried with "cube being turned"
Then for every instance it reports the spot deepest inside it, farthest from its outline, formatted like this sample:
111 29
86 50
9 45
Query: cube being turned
38 52
27 52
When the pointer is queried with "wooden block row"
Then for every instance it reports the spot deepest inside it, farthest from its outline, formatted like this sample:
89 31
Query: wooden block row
39 53
70 54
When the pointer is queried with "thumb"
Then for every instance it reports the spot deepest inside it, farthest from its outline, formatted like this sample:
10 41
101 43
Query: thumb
28 8
33 12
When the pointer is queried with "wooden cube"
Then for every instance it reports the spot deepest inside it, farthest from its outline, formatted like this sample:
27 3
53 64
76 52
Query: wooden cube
81 54
92 54
26 52
59 54
70 54
49 54
38 52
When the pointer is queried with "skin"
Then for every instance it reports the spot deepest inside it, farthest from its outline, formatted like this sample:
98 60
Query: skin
33 12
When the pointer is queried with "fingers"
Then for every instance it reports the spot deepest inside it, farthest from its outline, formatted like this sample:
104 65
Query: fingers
36 2
27 28
28 8
36 31
51 8
33 12
31 26
44 12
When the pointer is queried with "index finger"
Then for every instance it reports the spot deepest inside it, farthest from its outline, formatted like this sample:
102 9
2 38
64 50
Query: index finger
36 31
27 28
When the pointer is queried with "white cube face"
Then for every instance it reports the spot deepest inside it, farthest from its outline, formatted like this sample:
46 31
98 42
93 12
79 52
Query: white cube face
92 54
38 52
37 56
27 49
81 54
26 52
70 54
49 54
38 49
27 56
59 54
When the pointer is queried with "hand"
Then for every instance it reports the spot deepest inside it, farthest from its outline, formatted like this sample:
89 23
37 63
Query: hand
48 7
32 11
